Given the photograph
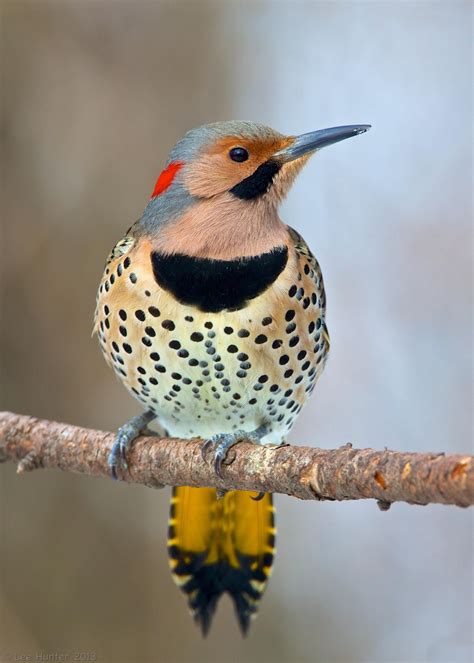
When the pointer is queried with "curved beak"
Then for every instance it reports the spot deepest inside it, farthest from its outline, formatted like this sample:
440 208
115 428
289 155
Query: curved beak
315 140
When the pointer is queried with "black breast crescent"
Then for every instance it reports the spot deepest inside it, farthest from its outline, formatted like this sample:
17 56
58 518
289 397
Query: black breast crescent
217 285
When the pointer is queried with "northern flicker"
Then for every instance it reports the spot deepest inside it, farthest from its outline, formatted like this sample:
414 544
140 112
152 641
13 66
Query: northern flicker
211 311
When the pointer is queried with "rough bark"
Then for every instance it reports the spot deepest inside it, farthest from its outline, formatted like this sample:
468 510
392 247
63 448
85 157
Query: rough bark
304 472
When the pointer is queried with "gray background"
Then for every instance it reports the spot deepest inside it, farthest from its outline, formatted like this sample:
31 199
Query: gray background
94 95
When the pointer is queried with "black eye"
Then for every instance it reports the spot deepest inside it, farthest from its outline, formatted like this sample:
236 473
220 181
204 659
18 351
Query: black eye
238 154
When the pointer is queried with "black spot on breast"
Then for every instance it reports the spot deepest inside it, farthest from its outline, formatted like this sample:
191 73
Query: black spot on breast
217 285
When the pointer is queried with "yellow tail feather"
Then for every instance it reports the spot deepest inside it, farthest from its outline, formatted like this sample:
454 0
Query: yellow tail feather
217 546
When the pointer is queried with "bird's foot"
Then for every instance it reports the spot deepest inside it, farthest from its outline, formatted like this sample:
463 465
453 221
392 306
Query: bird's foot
126 434
222 442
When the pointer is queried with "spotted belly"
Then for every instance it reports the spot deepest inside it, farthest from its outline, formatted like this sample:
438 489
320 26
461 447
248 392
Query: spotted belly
204 372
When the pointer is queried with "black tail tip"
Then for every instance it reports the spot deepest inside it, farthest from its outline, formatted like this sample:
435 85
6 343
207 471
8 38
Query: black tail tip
204 621
204 610
208 582
203 618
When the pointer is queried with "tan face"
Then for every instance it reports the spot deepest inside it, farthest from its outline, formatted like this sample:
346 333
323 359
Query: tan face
216 172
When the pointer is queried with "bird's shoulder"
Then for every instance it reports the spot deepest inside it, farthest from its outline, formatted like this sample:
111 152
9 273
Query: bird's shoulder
305 255
312 270
115 264
123 246
300 246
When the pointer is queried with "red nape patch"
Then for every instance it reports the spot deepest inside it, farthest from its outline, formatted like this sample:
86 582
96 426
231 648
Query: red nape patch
166 177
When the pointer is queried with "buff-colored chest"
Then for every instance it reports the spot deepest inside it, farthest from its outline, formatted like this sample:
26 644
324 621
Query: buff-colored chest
205 373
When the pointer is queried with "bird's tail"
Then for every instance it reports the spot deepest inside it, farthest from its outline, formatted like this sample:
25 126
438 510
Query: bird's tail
217 546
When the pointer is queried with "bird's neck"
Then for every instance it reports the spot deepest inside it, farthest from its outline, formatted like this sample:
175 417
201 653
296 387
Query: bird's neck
223 229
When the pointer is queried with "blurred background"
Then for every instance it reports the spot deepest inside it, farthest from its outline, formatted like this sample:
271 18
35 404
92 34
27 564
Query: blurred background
94 94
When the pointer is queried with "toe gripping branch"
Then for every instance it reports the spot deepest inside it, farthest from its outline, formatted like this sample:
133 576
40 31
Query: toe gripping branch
126 434
222 442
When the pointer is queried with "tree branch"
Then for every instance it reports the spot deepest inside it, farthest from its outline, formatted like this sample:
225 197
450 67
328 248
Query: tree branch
303 472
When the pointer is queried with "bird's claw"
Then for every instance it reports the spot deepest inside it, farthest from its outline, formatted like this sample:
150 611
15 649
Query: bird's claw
274 447
207 444
126 434
118 453
222 442
258 497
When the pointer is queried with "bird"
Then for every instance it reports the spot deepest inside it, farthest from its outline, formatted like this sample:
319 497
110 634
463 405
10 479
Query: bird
212 313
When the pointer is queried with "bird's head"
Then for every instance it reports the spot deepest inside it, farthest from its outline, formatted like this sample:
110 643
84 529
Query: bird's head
230 176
